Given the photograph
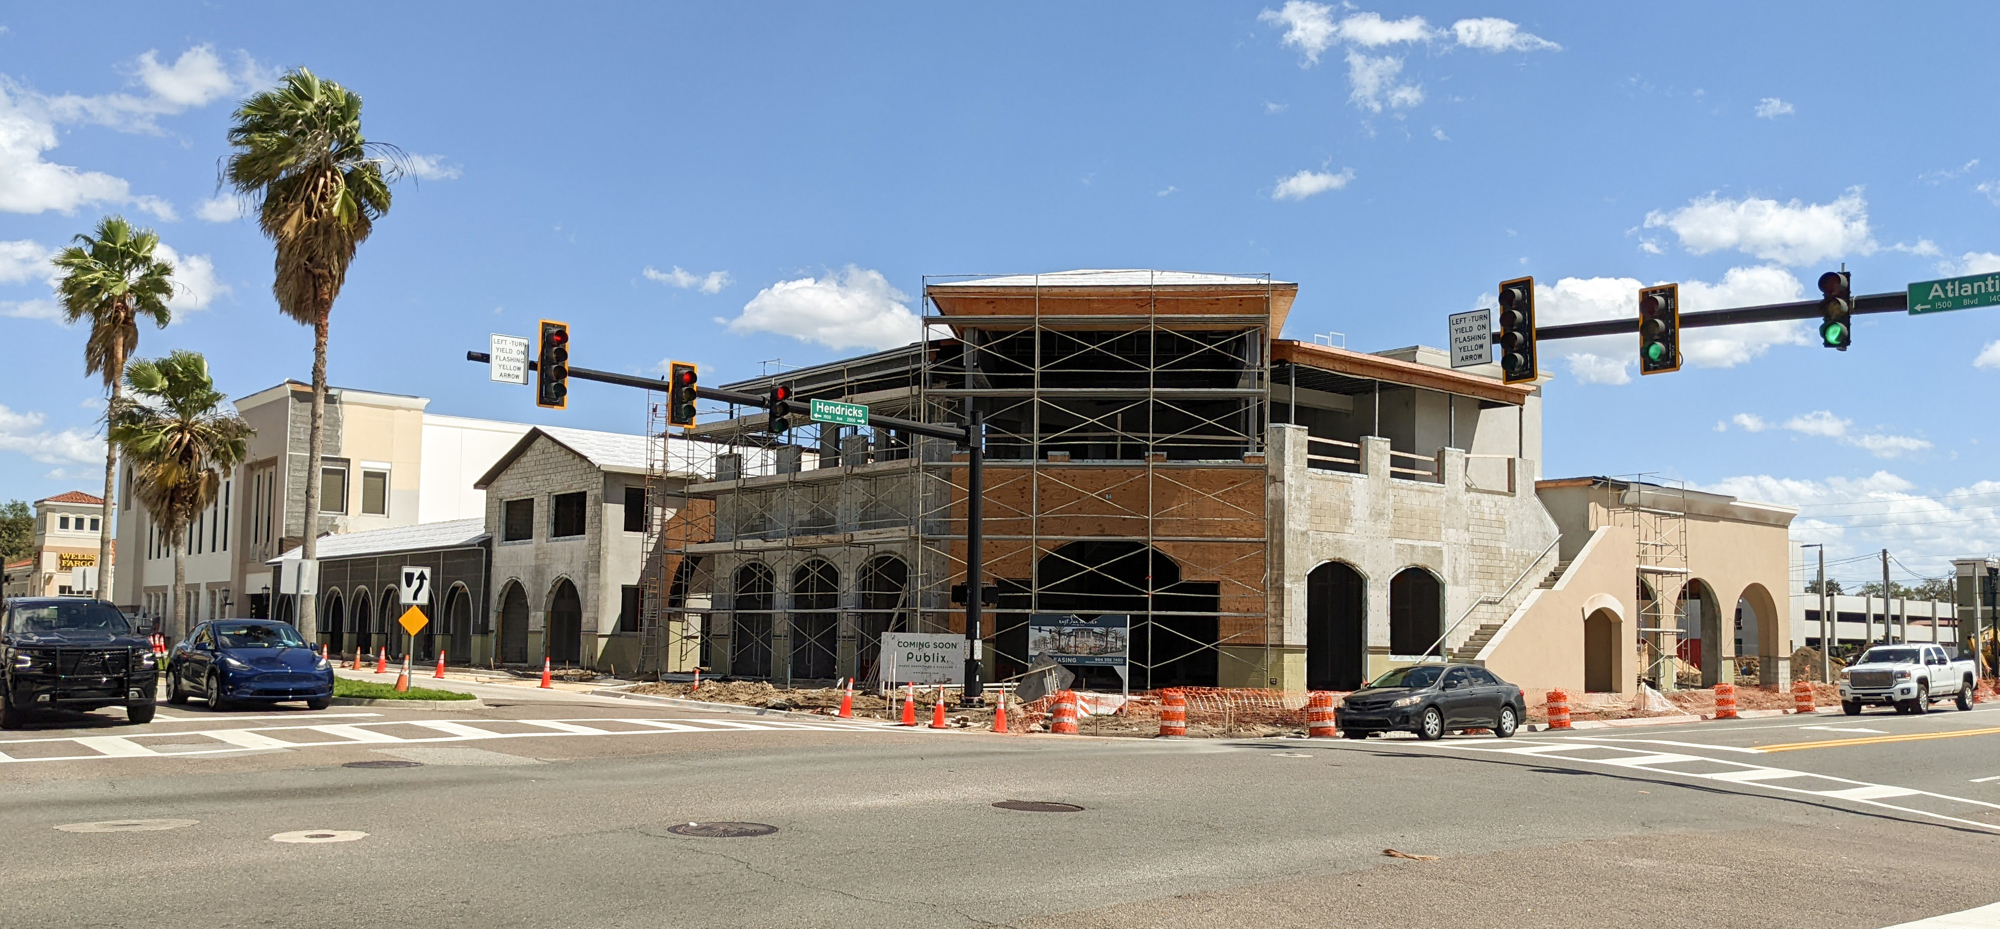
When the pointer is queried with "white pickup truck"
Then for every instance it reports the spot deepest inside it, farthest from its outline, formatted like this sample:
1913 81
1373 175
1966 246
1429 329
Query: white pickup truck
1907 677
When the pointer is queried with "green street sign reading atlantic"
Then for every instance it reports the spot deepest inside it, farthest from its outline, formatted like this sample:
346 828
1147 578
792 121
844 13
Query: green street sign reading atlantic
840 414
1955 293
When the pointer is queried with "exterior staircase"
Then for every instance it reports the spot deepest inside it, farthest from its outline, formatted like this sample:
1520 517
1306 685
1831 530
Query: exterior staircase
1469 651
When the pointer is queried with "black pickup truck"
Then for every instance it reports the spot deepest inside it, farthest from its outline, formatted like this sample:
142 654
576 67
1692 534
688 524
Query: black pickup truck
73 653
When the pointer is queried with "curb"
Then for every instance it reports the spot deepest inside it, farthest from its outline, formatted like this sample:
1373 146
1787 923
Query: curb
472 704
705 706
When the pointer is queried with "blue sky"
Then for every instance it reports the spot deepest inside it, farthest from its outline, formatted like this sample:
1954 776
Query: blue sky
789 172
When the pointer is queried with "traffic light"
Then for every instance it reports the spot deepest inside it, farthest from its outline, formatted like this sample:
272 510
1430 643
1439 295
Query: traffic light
681 378
778 422
1517 330
1837 307
1660 329
552 366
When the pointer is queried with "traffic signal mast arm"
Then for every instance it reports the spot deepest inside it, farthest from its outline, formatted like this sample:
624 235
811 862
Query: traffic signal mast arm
958 434
1897 302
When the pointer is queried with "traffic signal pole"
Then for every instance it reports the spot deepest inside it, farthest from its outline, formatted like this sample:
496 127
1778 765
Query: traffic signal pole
1897 302
970 437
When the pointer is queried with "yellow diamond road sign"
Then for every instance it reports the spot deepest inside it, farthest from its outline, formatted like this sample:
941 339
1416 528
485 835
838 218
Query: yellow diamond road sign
414 620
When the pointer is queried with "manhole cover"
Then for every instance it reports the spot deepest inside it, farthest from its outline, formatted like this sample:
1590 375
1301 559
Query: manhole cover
1038 806
311 836
721 830
384 763
129 825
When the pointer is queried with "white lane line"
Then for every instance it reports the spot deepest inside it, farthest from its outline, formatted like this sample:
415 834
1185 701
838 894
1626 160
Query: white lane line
666 726
1649 759
1985 917
1542 749
458 729
351 733
1870 792
561 726
1844 729
244 738
1701 745
1755 774
163 718
115 746
1982 780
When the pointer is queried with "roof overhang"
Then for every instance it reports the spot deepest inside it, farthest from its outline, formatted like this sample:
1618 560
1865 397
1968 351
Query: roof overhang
1171 300
1389 370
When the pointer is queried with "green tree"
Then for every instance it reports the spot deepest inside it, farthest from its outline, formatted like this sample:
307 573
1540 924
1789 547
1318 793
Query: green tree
17 531
1832 586
318 186
180 438
113 280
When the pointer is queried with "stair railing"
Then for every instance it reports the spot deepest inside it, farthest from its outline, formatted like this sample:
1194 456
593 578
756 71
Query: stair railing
1501 597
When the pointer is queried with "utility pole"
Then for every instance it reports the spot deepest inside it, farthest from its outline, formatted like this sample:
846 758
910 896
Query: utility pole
975 575
1887 616
1828 631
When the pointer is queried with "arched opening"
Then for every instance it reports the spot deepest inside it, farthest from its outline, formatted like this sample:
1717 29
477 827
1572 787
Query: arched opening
362 620
1701 625
457 621
1336 627
388 609
562 637
1763 632
284 612
333 620
1416 612
1174 632
514 624
883 595
815 619
1600 651
687 607
750 622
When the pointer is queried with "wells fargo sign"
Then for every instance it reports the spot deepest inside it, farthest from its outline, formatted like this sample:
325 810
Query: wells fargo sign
73 560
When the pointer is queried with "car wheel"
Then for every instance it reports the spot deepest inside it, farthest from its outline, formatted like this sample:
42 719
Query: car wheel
1354 733
1504 729
319 703
176 690
1851 708
1965 694
213 691
1923 701
10 718
1431 728
140 715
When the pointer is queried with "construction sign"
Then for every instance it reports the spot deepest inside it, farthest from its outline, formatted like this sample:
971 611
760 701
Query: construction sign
413 620
922 658
1065 638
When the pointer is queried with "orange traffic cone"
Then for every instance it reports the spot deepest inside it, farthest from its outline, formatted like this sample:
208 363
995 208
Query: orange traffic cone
937 711
847 701
547 682
697 682
403 676
440 671
910 706
382 661
1000 713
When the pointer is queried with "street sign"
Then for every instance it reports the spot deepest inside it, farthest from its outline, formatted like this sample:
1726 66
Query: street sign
1954 293
509 359
300 576
416 585
413 620
1471 338
839 414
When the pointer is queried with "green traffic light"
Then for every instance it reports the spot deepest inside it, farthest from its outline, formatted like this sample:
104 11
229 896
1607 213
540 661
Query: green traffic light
1655 351
1833 333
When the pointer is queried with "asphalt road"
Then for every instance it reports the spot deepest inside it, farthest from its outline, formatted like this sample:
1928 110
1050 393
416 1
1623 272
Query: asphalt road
555 809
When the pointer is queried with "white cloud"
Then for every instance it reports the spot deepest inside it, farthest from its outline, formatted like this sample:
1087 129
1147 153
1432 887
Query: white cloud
1498 35
158 206
1924 529
22 433
1991 189
197 78
1888 446
29 184
1793 233
195 283
709 283
1971 263
1167 191
432 167
1273 109
30 309
1651 247
1370 30
1772 108
1824 424
1372 83
226 208
1308 27
1437 133
1750 422
852 308
1933 178
1820 423
1924 248
1989 357
24 260
1590 368
1309 183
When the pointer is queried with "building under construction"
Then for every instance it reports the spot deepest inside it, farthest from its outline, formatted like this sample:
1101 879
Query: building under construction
1268 513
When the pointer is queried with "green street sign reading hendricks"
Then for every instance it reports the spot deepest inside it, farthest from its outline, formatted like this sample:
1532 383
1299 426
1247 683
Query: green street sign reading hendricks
840 414
1955 293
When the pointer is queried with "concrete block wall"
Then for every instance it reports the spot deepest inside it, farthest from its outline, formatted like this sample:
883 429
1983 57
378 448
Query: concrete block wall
544 470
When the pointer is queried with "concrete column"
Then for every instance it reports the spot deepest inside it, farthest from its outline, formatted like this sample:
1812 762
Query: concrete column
1451 464
1375 456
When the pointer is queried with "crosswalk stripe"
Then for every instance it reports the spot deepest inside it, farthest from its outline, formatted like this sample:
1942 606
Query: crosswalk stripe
1755 774
562 726
115 745
356 734
246 739
459 729
1869 792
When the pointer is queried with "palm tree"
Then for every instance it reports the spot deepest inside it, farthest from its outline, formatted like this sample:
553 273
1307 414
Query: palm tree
180 440
112 279
318 187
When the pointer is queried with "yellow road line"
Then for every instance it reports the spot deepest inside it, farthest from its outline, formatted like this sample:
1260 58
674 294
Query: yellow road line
1876 740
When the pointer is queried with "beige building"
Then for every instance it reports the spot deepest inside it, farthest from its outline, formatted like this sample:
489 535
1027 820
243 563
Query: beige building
66 540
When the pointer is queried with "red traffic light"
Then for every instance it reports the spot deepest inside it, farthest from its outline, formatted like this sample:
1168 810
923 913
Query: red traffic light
684 376
781 393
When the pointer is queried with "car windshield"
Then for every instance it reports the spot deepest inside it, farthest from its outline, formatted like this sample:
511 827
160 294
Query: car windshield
257 635
1890 655
1418 676
71 616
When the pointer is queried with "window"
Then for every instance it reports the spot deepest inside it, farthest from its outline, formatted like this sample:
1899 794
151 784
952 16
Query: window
628 609
568 516
333 490
635 509
1483 676
94 523
62 522
226 487
519 520
1456 677
375 493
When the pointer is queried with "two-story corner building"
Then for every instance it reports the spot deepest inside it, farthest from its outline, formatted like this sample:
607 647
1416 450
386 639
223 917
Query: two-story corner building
567 515
67 530
386 462
1268 513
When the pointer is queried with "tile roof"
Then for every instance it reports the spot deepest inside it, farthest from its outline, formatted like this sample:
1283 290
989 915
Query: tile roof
452 533
74 496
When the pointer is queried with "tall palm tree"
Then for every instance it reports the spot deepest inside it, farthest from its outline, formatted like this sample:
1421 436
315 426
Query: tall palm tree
180 439
318 187
113 280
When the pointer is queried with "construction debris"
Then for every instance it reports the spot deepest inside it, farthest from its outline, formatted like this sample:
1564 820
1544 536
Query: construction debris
1396 854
